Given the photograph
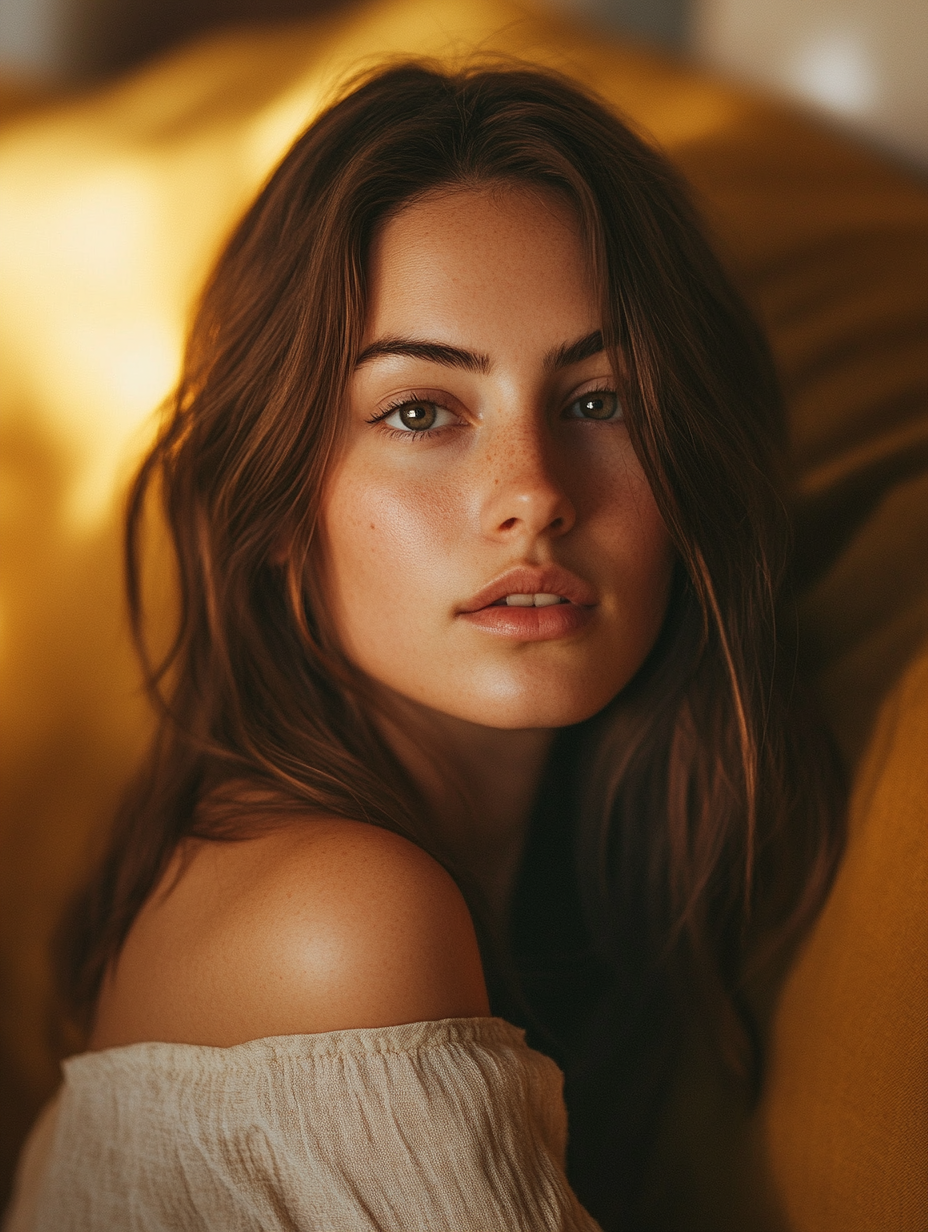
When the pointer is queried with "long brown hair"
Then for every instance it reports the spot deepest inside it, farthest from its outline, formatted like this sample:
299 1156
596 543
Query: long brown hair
699 791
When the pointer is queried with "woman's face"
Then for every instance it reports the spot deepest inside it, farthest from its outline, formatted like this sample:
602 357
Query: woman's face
491 546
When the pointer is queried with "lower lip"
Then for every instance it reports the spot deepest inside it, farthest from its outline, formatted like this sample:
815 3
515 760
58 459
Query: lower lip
531 624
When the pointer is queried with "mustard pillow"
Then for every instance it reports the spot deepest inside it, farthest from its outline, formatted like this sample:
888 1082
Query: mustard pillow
845 1111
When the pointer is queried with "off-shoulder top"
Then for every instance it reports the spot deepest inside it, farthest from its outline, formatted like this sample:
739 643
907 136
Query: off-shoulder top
451 1126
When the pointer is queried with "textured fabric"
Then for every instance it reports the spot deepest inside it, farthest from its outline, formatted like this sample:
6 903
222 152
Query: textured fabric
845 1112
839 1140
453 1126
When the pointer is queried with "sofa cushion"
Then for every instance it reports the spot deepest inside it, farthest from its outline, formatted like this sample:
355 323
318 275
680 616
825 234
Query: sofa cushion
845 1111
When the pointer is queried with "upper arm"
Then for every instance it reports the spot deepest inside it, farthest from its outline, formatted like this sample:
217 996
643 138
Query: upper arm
335 926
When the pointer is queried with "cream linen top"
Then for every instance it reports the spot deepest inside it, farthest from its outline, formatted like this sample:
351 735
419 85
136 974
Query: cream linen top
451 1126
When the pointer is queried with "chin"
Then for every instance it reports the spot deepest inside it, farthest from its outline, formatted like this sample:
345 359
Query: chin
557 704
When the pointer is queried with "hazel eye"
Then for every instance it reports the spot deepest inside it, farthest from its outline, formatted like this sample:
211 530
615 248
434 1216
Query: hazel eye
419 417
416 415
601 404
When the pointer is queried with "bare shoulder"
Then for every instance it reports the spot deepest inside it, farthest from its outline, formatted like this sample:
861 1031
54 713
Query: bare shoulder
326 926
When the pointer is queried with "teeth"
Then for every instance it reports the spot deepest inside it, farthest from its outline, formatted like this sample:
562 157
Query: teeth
532 600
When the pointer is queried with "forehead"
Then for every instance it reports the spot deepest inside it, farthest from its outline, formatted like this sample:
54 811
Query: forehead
474 264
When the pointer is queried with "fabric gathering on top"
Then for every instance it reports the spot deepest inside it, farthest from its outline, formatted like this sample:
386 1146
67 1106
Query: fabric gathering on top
450 1126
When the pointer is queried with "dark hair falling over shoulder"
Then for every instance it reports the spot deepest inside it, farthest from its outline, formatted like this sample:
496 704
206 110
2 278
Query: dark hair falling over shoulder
703 811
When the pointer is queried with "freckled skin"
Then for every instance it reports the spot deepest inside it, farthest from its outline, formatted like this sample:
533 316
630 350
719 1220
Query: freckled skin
323 927
414 527
330 925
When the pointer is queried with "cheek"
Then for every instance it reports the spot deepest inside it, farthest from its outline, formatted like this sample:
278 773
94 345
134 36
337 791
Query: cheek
629 537
651 554
387 542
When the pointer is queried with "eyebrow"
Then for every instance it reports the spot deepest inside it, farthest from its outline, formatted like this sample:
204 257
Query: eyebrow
564 356
571 353
433 352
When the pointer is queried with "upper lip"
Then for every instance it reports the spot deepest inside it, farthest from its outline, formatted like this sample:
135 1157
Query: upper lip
533 580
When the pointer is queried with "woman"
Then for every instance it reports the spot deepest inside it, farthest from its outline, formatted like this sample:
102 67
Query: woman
478 702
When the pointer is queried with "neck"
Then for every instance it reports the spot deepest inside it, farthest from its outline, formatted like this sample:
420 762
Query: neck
481 783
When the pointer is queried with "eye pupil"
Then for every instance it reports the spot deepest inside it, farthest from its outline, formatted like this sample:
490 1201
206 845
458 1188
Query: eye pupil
418 415
597 406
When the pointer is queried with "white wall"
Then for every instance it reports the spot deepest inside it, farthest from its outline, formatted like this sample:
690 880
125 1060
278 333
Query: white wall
863 61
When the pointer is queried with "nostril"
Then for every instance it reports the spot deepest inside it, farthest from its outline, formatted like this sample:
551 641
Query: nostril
508 524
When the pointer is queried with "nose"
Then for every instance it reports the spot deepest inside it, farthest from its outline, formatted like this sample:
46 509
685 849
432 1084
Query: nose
525 497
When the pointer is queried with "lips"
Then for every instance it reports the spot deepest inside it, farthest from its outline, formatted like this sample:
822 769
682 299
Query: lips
532 621
532 580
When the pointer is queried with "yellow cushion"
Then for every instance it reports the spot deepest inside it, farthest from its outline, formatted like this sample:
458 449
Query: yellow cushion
845 1112
112 207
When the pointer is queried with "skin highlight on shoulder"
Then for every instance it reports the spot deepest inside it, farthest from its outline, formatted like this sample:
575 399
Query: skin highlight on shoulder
328 926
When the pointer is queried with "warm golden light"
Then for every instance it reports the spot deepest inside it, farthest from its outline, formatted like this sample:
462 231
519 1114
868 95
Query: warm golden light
112 208
113 211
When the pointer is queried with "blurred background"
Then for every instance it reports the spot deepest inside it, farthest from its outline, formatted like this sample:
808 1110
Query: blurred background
860 61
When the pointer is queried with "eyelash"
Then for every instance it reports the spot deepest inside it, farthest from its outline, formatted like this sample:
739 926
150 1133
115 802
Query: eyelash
398 405
405 400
